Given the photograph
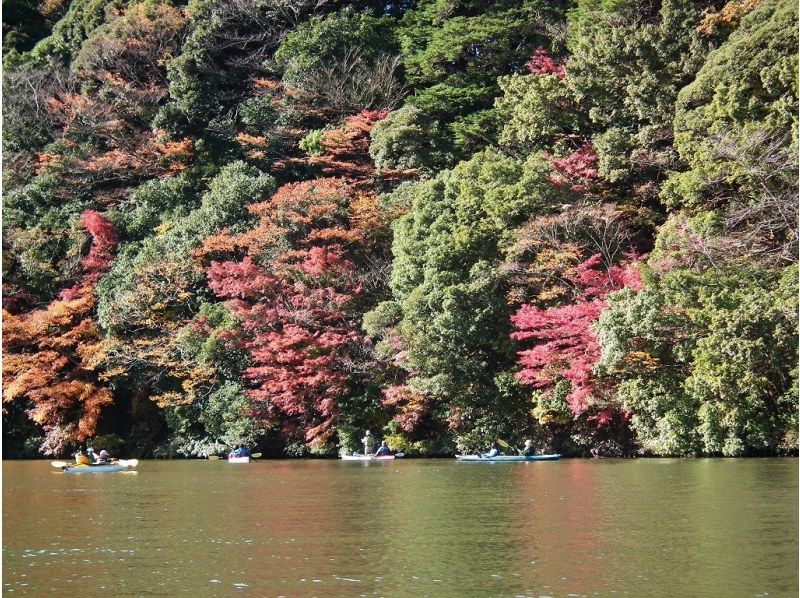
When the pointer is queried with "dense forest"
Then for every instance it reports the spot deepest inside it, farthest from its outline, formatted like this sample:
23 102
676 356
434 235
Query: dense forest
282 222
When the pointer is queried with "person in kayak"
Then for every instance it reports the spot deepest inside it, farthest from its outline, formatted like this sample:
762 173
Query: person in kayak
369 443
81 458
528 449
383 450
92 457
493 451
242 451
103 457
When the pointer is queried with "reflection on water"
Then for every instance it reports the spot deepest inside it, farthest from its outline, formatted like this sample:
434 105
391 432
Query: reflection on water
664 527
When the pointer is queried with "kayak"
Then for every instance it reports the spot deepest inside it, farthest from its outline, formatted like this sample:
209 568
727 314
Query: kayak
238 459
368 458
121 465
554 457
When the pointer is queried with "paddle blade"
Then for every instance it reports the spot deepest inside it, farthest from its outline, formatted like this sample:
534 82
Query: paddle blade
398 455
59 464
128 462
214 457
255 455
503 443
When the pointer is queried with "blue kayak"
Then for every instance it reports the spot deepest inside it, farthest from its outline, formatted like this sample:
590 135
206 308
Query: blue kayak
504 458
121 465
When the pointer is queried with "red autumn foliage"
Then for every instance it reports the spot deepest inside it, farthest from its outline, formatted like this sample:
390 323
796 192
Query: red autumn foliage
566 342
292 293
298 332
542 63
50 355
101 253
295 287
578 170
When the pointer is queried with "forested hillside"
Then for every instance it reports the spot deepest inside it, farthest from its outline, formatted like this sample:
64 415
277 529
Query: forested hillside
281 222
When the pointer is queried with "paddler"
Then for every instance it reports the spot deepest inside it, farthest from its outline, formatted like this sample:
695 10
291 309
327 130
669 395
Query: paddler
528 449
369 442
383 450
493 451
81 458
104 457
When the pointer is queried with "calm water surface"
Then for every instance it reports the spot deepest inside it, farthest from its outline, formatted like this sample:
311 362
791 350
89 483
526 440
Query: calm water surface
661 527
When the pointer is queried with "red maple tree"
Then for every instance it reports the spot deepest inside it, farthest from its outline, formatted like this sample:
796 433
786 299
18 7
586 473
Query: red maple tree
543 63
292 292
566 344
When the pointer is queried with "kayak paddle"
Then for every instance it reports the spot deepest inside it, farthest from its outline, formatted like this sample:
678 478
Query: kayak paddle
507 446
128 462
255 455
59 464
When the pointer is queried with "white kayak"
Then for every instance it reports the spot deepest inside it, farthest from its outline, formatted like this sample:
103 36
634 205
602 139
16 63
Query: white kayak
121 465
371 457
238 459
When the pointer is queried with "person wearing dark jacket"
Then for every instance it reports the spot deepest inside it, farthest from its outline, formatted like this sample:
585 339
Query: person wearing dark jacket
528 450
383 450
494 451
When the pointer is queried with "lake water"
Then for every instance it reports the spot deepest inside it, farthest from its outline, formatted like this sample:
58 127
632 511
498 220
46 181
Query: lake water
656 527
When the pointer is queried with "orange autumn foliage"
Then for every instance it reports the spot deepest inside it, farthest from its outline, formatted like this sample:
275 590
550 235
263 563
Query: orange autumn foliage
51 355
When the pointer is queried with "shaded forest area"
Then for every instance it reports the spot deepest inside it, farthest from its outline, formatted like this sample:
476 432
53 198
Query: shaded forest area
280 222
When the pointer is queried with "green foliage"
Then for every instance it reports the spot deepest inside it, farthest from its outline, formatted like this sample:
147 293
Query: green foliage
626 73
154 203
536 111
258 114
409 138
42 239
211 73
120 292
706 361
449 288
23 25
742 104
313 45
81 19
383 316
311 144
529 135
453 53
206 340
226 416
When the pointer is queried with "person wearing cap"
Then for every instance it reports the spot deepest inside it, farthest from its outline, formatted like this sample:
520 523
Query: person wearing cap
103 457
383 450
369 442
